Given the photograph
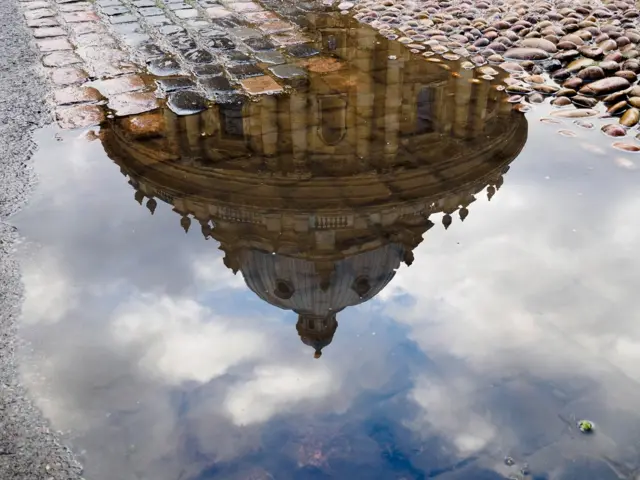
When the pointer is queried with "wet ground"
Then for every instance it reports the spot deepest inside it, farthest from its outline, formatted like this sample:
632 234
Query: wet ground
383 272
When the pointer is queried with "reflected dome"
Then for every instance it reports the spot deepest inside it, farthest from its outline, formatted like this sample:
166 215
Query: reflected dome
317 196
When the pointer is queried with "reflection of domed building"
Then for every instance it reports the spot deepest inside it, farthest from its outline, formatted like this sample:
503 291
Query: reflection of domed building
317 196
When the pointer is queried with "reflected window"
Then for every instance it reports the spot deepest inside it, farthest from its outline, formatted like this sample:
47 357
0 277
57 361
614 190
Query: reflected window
284 290
231 120
333 118
361 285
426 105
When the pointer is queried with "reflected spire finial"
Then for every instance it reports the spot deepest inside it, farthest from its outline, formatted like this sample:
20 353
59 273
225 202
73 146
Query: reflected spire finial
152 204
139 196
186 223
446 221
491 191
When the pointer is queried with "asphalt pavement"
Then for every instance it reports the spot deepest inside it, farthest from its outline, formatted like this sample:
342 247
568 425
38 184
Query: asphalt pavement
28 450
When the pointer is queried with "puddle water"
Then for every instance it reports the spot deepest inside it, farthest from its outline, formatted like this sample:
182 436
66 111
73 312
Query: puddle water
386 273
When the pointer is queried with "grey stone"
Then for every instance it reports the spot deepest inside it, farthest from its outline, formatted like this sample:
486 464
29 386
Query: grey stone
209 70
259 44
186 102
245 71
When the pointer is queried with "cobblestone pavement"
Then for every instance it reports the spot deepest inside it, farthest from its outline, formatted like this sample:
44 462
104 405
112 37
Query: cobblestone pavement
125 57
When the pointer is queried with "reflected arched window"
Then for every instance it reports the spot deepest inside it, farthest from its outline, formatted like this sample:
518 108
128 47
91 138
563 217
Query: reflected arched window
333 118
426 105
231 120
361 285
284 290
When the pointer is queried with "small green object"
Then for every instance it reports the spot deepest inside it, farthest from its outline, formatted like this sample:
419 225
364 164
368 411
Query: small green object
585 426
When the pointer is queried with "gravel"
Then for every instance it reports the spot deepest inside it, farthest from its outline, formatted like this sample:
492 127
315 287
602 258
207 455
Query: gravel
28 449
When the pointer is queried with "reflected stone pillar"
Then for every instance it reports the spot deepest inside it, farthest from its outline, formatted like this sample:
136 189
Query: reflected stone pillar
192 127
393 98
253 127
364 92
481 92
269 125
171 131
298 111
461 102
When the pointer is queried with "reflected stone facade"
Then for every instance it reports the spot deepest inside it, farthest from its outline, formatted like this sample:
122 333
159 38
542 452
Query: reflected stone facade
317 196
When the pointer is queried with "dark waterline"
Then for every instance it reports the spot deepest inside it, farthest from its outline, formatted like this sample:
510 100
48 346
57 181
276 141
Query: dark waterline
443 351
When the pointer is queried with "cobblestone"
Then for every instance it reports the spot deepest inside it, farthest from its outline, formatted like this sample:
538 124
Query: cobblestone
195 51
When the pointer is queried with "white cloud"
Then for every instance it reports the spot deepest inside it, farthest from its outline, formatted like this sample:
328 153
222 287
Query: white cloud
182 340
49 294
275 388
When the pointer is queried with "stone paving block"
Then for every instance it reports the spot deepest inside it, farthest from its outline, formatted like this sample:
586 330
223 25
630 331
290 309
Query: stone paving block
94 40
271 58
39 13
144 3
198 57
178 6
133 103
124 18
75 7
245 32
60 59
105 61
86 27
170 29
47 32
186 102
302 51
108 3
219 43
275 26
174 84
242 7
210 70
34 5
77 17
115 10
186 13
65 1
146 125
150 11
149 51
79 116
124 84
197 24
289 38
54 44
76 94
218 12
43 22
261 85
160 20
259 44
225 22
236 58
288 72
260 17
215 85
68 76
164 67
245 71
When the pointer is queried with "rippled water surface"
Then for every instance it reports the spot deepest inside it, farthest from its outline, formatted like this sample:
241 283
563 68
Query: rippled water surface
386 274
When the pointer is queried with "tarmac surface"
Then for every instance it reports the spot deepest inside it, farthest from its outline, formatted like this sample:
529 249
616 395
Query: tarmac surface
28 450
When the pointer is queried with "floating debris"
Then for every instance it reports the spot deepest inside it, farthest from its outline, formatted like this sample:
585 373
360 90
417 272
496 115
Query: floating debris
585 426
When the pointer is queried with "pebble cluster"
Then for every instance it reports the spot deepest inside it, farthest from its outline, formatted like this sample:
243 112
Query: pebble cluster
581 57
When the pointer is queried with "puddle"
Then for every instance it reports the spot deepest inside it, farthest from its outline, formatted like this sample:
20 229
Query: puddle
385 273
